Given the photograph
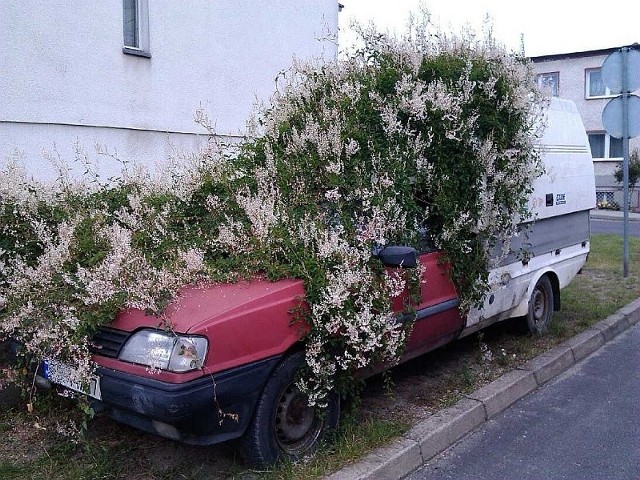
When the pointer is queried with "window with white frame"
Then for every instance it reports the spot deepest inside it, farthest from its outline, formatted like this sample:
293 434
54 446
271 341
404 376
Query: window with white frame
549 81
604 146
135 27
594 87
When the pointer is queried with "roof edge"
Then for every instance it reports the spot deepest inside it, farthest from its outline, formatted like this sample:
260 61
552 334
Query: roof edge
586 53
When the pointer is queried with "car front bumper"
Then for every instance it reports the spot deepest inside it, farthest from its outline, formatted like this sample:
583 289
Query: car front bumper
208 410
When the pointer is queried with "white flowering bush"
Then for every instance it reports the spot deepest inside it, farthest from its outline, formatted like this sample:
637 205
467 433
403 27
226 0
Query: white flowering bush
402 137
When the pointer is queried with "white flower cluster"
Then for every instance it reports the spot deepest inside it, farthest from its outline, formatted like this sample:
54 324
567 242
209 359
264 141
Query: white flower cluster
415 116
36 309
351 156
348 311
260 208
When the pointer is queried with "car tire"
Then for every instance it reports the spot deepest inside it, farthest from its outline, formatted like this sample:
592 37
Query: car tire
283 426
540 312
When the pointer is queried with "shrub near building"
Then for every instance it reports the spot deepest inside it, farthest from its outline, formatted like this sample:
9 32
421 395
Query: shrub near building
401 136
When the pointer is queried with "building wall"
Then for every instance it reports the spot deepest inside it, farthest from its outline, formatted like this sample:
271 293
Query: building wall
572 69
66 82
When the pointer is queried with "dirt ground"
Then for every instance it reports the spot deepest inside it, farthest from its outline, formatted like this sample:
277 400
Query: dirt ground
411 391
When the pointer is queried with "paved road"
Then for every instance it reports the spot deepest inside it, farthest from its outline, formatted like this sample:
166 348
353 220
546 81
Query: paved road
583 425
614 226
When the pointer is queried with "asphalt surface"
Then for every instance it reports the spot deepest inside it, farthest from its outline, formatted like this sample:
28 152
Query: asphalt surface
614 226
585 424
582 424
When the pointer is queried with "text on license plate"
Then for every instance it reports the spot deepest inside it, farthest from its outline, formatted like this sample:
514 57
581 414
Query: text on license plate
62 374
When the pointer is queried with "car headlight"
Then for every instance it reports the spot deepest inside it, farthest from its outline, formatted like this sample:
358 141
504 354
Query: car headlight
165 350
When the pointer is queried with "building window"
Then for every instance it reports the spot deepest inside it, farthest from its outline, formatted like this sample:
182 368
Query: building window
594 86
135 27
606 200
605 146
130 17
549 81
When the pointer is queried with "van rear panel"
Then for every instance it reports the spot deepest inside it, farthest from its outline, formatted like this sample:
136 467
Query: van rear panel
554 241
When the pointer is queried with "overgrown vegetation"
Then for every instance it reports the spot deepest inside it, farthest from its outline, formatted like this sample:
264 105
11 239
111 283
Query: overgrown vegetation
634 171
31 447
423 135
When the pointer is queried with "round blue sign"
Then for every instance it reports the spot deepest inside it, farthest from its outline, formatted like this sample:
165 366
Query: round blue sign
613 121
612 70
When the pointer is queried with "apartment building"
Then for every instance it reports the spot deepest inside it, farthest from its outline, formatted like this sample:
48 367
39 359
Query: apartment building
577 76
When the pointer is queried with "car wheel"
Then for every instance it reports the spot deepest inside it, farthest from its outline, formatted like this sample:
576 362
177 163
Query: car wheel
284 426
540 307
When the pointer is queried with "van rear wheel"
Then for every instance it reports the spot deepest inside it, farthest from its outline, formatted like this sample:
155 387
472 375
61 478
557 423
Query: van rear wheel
540 307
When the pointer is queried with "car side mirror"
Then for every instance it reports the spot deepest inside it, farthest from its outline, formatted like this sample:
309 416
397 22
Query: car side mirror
398 256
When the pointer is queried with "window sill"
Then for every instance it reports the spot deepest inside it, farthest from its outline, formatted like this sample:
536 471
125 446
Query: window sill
608 159
600 97
136 52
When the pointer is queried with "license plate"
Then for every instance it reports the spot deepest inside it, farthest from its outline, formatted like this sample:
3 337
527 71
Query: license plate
62 374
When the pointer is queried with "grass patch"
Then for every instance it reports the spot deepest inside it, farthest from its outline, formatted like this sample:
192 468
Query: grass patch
10 471
601 289
354 439
32 448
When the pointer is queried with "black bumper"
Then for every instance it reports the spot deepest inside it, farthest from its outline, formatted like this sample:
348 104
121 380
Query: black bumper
204 411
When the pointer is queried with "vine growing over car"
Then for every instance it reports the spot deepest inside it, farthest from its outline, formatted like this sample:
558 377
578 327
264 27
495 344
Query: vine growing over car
404 137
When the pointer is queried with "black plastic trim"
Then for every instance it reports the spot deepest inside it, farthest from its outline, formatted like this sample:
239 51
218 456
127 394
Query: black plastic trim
108 342
438 308
430 311
208 410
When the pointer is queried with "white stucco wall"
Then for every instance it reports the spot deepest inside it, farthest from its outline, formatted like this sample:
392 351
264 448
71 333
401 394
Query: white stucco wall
66 81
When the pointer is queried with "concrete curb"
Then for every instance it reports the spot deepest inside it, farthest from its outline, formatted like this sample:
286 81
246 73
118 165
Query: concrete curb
435 434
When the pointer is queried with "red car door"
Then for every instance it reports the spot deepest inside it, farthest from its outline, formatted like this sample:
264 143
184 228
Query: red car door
438 319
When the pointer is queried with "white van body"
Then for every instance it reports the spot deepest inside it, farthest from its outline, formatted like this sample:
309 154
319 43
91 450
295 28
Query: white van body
556 242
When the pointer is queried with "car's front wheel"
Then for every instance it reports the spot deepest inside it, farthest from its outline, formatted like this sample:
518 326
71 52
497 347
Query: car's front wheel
284 426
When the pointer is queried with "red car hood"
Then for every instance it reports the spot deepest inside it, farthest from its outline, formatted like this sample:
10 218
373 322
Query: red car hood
211 303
